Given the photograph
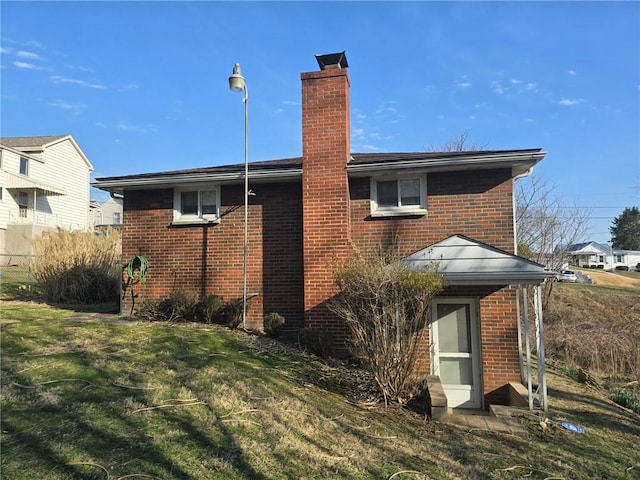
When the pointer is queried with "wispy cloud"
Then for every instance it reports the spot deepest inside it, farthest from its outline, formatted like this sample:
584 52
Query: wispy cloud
497 88
370 148
34 44
62 79
129 127
28 66
512 87
568 102
572 72
462 84
5 50
129 87
75 108
28 55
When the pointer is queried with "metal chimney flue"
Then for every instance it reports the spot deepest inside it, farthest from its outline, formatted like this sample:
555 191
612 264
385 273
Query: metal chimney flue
332 60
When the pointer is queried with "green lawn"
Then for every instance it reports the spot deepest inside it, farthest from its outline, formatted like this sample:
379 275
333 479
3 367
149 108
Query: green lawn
97 397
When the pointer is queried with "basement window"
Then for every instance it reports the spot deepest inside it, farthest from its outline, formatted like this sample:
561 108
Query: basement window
398 196
192 205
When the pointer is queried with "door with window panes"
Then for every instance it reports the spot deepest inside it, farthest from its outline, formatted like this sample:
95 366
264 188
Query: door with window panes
456 350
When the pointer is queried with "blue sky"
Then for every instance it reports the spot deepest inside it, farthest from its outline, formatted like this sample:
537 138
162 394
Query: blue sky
142 86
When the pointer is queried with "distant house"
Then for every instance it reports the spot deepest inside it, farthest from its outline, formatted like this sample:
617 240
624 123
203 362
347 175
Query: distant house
44 184
309 214
596 255
107 214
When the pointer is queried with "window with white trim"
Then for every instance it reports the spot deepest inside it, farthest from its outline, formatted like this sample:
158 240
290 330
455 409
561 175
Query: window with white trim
24 166
399 195
193 205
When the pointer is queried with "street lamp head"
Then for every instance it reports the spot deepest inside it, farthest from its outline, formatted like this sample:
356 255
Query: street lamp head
236 80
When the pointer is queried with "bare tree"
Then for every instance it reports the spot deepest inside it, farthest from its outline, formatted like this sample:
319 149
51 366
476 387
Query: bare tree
459 143
545 226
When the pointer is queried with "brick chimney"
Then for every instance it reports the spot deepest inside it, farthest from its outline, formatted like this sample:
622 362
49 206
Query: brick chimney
325 186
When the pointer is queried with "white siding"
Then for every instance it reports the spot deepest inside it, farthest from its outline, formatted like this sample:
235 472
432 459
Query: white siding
109 209
61 166
66 169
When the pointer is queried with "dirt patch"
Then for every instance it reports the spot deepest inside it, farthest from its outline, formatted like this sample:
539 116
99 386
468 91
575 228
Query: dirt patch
612 279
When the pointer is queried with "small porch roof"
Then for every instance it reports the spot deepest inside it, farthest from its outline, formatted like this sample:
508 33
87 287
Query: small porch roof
464 261
19 182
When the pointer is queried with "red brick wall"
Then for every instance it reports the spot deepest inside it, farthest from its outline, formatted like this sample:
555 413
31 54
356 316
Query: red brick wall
477 204
209 258
325 187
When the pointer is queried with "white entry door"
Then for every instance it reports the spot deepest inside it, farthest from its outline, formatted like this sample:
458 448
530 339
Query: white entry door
456 350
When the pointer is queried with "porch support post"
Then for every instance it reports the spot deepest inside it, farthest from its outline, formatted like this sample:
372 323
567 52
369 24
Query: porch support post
542 377
528 347
519 319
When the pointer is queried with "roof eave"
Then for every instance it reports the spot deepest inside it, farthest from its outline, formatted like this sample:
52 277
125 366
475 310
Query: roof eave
519 163
120 184
496 278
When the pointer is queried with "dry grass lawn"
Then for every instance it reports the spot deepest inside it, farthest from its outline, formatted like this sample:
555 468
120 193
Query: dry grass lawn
93 397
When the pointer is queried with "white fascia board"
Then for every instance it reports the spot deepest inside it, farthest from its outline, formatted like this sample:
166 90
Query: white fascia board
497 278
169 181
523 160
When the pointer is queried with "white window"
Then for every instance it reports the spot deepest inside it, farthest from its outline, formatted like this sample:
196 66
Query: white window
399 195
24 166
116 218
192 205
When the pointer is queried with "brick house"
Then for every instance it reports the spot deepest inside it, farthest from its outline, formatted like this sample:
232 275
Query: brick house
309 214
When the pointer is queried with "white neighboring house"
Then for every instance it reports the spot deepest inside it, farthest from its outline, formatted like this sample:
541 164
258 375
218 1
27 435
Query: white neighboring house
44 184
596 255
107 214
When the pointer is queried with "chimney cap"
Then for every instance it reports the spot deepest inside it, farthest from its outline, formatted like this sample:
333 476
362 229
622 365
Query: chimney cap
332 60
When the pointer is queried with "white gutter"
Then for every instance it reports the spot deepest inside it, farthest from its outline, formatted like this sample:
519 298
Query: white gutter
170 180
496 278
449 164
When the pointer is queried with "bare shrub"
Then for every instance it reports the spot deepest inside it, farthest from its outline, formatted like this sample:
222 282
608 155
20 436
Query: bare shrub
78 267
272 323
318 342
385 305
182 304
594 332
209 308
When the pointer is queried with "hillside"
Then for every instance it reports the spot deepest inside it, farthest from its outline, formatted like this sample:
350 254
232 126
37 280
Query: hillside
596 327
96 397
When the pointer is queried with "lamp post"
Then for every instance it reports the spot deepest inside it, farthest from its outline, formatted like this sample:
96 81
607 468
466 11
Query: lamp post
237 83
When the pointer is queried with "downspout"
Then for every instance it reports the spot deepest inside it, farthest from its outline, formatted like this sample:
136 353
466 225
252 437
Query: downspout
513 199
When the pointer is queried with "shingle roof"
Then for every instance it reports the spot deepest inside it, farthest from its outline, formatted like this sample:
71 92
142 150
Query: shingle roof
29 142
296 162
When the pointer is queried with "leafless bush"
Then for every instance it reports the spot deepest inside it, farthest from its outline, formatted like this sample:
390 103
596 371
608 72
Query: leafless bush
597 333
385 305
78 267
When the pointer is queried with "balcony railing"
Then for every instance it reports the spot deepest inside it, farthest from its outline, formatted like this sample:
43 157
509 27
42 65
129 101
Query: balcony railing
26 216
